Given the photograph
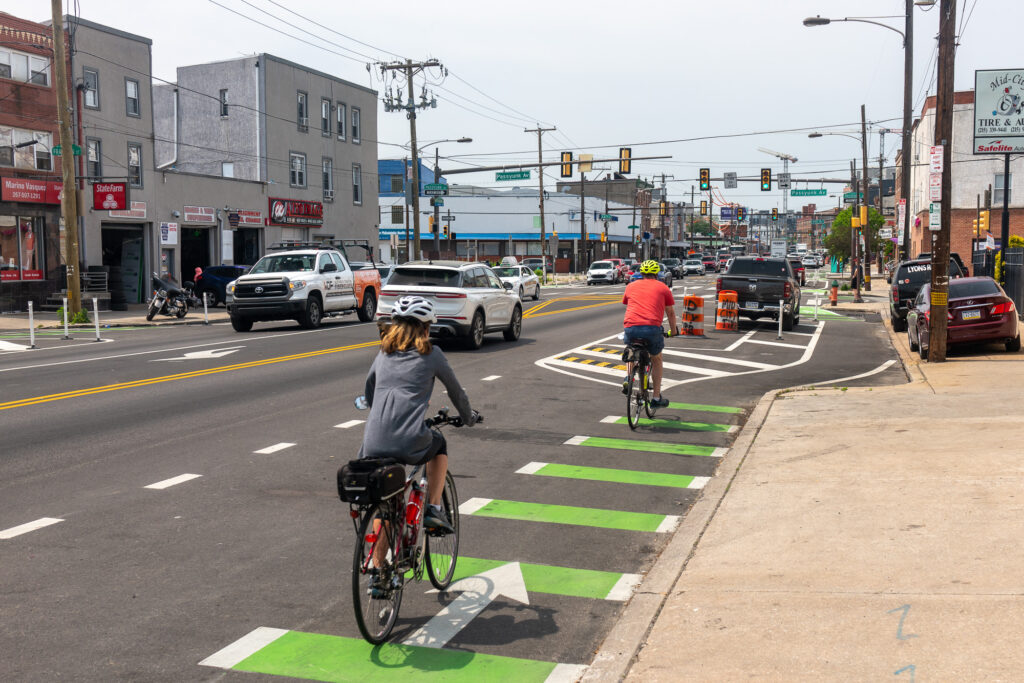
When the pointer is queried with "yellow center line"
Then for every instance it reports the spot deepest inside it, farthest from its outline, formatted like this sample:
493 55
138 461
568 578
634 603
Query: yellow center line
536 308
172 378
576 308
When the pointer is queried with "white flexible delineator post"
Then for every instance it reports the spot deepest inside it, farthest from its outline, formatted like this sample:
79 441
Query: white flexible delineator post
65 309
96 317
31 326
782 304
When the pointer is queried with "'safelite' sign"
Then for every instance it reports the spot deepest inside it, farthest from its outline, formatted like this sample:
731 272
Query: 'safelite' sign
110 196
999 111
295 212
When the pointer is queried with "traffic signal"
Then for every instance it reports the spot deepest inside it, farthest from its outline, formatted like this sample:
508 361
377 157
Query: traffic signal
703 207
662 208
604 237
974 225
444 231
625 160
567 164
855 221
741 213
864 216
983 221
766 180
775 214
705 179
433 228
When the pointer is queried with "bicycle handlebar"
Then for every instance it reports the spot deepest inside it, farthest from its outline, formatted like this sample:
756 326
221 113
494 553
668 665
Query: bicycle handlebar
442 418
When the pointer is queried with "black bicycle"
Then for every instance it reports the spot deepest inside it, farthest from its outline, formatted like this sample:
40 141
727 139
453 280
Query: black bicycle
641 384
391 544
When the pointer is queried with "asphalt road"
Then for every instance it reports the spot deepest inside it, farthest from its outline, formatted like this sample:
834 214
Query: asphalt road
137 583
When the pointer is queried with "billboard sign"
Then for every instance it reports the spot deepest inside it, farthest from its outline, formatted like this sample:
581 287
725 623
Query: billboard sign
289 212
999 111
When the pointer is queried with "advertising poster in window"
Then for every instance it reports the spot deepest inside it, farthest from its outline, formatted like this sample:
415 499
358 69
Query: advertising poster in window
10 249
31 269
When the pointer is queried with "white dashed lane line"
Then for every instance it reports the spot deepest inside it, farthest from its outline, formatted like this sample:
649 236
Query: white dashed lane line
173 481
346 425
27 527
491 378
274 449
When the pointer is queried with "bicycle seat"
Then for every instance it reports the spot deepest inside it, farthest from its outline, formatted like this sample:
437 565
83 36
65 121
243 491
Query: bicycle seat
638 342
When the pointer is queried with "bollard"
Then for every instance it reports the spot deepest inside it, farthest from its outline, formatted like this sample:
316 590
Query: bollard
816 301
65 309
31 327
782 305
96 317
206 313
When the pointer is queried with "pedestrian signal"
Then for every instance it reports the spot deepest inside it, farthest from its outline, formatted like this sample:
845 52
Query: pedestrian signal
705 179
567 164
704 207
775 214
766 180
625 160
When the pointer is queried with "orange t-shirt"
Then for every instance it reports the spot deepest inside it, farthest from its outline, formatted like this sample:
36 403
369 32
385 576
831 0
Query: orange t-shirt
645 301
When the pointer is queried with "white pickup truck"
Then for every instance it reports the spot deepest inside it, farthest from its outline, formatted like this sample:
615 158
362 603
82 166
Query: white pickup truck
304 282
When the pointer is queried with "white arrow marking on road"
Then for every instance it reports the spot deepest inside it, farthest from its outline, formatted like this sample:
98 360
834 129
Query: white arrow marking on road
477 592
11 346
203 355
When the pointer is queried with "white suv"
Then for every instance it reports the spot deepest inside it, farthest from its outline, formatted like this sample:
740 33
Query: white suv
469 299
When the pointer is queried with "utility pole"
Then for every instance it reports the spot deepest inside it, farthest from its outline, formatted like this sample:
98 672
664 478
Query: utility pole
908 84
433 200
540 172
693 217
69 202
410 69
944 136
866 227
855 211
881 170
583 221
406 198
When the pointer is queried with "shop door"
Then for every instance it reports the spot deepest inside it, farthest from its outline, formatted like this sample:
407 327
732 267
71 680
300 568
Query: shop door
195 251
247 246
122 254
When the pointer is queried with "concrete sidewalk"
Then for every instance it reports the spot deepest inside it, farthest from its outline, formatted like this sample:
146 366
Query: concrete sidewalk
135 316
864 534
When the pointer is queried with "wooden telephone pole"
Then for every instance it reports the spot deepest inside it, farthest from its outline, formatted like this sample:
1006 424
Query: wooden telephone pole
540 175
69 201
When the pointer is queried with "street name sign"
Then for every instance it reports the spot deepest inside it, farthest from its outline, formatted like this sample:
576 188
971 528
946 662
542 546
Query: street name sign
512 175
435 189
853 196
808 193
75 150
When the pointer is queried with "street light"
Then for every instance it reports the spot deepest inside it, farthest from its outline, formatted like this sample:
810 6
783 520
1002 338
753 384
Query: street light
908 78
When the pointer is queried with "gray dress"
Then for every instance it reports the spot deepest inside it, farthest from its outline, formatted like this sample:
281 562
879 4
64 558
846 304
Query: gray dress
398 389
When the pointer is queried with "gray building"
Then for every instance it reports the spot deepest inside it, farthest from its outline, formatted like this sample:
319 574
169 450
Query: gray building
309 137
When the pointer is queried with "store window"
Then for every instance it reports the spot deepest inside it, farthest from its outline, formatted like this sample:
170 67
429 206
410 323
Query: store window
21 248
91 81
135 164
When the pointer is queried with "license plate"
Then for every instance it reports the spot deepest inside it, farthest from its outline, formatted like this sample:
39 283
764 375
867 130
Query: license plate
970 315
752 304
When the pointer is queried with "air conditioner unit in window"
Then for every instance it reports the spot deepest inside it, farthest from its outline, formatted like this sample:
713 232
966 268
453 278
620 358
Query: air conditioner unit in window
328 195
304 122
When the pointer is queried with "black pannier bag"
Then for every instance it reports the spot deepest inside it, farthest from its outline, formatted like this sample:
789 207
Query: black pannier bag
370 480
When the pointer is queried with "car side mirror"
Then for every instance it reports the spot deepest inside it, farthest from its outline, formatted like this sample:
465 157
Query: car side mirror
329 268
507 285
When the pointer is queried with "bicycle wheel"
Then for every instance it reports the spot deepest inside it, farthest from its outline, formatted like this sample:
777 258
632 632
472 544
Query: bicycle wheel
443 549
376 590
649 392
634 399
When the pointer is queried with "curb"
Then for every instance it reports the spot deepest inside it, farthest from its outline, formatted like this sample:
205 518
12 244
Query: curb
615 656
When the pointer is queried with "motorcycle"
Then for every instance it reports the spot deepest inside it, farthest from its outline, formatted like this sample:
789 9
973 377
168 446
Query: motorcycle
169 299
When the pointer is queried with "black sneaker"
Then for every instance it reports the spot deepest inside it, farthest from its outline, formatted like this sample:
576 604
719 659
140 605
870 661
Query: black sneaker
659 402
625 388
437 521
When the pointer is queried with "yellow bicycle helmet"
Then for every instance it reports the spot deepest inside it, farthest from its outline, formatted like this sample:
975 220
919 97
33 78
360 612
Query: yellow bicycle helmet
650 267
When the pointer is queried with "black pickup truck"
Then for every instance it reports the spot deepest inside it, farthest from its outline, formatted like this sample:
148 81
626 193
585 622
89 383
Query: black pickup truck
760 283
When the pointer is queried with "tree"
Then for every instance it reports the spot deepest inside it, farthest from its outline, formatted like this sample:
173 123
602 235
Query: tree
1015 242
700 227
838 239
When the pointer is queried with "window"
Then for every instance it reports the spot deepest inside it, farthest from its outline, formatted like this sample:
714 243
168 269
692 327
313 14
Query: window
357 182
227 169
6 146
338 261
91 81
355 125
5 64
341 120
397 214
302 111
297 174
39 70
328 178
134 164
997 190
42 148
325 116
396 183
223 102
131 97
93 158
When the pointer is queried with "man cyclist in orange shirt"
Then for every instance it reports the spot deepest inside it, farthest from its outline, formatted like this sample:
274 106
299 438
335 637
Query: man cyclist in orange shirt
648 300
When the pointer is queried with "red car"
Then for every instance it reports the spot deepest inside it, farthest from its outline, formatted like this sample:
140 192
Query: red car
799 270
978 311
710 264
621 267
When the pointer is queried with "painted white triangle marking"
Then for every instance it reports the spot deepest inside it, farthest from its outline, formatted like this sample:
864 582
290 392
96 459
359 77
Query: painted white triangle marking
243 648
11 346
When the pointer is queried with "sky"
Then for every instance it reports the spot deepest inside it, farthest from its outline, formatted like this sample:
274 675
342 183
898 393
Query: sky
690 80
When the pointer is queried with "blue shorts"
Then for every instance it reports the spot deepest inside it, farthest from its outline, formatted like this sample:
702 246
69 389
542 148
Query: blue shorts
654 335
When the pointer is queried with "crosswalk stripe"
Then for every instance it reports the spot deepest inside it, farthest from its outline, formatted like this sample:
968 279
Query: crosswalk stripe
568 514
27 527
556 580
770 343
173 481
604 474
274 449
702 407
719 359
692 369
647 446
673 424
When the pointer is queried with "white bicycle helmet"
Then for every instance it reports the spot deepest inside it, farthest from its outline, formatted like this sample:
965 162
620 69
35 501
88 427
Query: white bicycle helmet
415 307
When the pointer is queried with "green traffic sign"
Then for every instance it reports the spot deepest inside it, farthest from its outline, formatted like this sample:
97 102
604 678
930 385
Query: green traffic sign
512 175
438 201
435 189
850 196
606 217
808 193
634 227
75 150
818 221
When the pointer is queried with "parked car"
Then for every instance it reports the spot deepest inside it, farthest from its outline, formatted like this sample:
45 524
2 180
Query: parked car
385 270
710 263
673 264
799 270
535 262
907 280
664 274
602 272
693 266
978 311
469 299
810 261
723 259
523 280
212 283
621 266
